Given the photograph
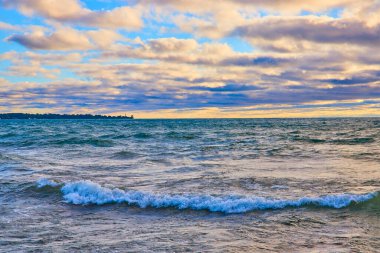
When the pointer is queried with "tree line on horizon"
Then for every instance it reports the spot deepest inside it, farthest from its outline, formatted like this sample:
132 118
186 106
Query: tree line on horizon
59 116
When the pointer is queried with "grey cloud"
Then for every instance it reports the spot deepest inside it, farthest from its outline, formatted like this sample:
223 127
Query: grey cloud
141 97
254 61
226 88
320 30
352 81
60 40
199 57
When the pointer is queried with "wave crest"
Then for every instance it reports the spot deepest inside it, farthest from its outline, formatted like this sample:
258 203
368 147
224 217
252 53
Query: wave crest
43 182
87 192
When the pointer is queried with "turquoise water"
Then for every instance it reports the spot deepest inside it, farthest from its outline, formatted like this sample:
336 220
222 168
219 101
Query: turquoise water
232 185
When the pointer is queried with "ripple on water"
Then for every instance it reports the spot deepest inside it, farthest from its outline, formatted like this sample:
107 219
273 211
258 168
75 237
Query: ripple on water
97 142
125 155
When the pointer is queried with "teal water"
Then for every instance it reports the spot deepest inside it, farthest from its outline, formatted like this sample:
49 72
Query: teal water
231 185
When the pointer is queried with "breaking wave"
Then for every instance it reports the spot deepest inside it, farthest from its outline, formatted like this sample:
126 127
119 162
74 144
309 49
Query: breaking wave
87 192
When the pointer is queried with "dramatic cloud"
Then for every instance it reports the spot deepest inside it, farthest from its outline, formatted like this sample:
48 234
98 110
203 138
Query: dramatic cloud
179 58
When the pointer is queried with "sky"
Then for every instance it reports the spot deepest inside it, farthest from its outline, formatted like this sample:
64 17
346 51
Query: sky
191 58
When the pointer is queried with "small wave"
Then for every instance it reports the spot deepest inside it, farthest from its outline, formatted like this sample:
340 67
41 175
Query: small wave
279 187
125 155
91 141
308 139
143 136
87 192
181 135
43 182
315 140
4 157
8 135
353 141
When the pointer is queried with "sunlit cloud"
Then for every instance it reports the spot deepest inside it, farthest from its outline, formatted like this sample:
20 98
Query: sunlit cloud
72 11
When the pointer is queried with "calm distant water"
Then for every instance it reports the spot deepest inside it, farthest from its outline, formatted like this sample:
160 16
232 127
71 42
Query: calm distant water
253 185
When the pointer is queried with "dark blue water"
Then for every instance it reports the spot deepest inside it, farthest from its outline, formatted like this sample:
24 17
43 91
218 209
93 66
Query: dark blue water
275 185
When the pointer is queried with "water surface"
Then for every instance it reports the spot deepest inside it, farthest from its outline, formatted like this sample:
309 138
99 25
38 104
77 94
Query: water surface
232 185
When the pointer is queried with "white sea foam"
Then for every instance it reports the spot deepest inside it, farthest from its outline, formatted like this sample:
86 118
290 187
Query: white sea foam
46 182
87 192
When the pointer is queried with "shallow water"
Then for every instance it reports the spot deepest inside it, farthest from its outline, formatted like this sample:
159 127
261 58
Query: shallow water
265 185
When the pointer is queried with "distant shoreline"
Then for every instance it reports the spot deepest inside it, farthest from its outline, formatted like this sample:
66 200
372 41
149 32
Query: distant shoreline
59 116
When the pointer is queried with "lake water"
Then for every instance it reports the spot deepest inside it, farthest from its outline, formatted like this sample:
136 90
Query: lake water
218 185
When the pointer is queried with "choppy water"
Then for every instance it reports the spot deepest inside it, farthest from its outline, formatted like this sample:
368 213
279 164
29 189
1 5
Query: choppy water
261 185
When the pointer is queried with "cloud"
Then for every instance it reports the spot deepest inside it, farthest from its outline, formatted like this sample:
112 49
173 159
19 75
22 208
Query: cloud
61 60
353 80
215 20
189 51
226 88
315 29
62 39
32 69
6 26
66 38
172 45
60 10
123 17
262 61
136 97
293 6
73 11
103 38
